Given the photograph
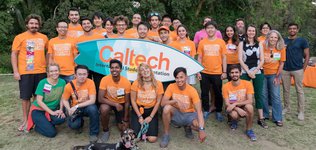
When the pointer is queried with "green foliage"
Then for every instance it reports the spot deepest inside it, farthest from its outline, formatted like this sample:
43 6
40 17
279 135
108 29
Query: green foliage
279 13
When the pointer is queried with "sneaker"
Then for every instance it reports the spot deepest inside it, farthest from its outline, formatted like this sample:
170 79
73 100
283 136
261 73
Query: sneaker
219 117
164 141
206 114
234 124
188 132
285 111
262 123
251 135
300 116
93 138
105 137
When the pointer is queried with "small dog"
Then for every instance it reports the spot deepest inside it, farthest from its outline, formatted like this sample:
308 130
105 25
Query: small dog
127 142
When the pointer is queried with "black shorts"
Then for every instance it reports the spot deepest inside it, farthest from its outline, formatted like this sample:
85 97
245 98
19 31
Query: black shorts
119 115
28 84
153 125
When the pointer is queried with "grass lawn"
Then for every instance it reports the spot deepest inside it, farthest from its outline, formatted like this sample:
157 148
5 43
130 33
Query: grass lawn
293 135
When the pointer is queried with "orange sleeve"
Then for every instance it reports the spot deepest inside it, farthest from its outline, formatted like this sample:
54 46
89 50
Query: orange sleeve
50 47
127 86
103 84
16 46
168 92
200 48
160 88
225 91
195 96
250 88
46 42
135 86
193 49
223 47
283 54
67 92
91 88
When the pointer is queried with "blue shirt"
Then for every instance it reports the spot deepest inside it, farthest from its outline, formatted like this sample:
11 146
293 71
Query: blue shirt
295 53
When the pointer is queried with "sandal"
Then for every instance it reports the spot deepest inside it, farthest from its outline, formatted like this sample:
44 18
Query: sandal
21 128
279 123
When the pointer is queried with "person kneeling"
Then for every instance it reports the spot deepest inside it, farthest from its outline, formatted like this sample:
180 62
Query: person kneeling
44 113
181 105
238 99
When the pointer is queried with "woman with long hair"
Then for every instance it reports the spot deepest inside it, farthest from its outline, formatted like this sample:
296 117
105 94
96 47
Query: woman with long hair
186 46
231 39
47 110
274 58
146 94
251 59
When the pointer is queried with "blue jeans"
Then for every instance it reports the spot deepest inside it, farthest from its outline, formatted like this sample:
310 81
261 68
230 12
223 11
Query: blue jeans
271 92
67 78
43 126
90 111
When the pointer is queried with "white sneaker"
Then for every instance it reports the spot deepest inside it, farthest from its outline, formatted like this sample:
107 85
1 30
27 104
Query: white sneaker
300 116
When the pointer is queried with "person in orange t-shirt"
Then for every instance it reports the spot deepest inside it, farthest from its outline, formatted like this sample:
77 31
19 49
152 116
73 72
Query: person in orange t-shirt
137 18
231 39
98 22
142 30
186 46
164 35
182 105
114 94
154 20
28 62
238 100
146 94
264 29
74 27
212 55
109 26
175 24
121 23
274 58
62 50
82 92
167 22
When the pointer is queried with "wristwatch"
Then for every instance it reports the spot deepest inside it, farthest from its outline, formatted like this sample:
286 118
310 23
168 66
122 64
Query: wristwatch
201 128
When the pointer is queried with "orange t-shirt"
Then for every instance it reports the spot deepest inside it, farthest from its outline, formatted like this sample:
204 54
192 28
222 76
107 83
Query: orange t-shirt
31 52
147 97
115 92
237 93
173 35
231 53
132 32
84 38
261 38
86 89
272 59
74 31
186 98
187 47
99 31
211 51
63 51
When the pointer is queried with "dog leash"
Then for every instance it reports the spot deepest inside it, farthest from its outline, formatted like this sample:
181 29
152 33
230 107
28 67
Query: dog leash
143 131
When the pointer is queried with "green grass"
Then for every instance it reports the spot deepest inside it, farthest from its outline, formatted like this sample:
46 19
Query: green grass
294 134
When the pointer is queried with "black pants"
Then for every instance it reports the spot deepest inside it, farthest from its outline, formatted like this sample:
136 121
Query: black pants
216 82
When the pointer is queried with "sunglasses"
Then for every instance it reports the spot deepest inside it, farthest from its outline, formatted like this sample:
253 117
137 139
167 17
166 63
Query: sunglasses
154 14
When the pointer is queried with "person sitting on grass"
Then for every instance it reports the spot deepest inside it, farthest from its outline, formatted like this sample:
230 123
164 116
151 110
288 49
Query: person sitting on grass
238 99
46 110
182 105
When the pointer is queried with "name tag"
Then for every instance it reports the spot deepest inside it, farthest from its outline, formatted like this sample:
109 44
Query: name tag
232 98
47 88
232 46
120 93
276 56
187 50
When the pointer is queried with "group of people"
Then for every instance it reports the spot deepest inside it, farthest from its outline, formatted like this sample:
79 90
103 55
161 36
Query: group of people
66 91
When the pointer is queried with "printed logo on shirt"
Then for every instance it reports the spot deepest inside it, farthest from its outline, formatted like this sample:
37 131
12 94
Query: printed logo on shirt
183 101
62 49
146 96
231 48
237 95
211 50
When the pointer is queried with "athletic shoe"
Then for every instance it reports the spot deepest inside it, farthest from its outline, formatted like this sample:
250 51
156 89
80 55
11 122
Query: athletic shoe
206 114
93 138
188 132
300 116
164 141
105 137
251 135
219 117
234 124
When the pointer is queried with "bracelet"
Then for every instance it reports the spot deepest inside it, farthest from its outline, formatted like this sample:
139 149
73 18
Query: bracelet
140 116
150 116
